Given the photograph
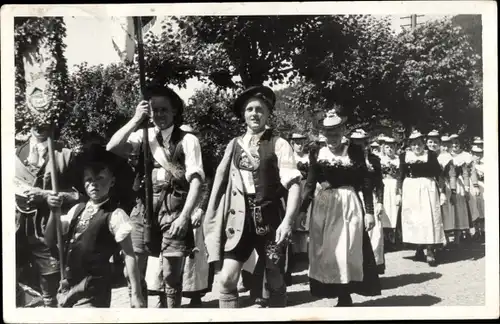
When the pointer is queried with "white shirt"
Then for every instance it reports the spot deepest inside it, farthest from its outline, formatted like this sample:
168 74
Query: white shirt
190 144
37 152
119 225
286 163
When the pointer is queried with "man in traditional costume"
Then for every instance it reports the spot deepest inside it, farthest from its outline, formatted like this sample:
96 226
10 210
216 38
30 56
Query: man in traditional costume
245 210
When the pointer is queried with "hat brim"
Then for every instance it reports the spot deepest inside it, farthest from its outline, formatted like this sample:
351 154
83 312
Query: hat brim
415 137
175 99
340 122
358 137
252 92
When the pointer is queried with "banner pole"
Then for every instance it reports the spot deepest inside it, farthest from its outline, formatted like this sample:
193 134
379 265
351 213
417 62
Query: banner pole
148 186
56 212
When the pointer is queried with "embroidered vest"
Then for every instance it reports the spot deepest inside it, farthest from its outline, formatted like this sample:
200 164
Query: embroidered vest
266 177
89 253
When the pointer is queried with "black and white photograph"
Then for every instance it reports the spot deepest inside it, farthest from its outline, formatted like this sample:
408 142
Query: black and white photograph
326 158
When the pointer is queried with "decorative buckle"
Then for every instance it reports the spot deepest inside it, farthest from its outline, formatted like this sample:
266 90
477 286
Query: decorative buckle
260 228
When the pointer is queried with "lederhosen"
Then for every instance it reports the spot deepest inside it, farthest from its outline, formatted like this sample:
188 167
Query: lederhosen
264 209
169 197
171 194
88 271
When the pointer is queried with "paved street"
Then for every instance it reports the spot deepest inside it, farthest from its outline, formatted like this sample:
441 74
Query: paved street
458 281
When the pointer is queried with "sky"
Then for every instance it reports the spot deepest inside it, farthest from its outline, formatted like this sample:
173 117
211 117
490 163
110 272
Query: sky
89 39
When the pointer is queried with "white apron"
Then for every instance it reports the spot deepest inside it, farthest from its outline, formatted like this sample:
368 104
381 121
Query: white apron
336 237
421 221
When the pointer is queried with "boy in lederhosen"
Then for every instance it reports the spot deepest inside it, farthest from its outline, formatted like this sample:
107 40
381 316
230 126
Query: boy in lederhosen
177 176
245 210
92 233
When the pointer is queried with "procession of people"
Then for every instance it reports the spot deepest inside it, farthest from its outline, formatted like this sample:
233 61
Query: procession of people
340 200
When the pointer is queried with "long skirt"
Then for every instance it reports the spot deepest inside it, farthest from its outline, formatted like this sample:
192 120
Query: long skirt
447 210
376 235
476 204
457 215
421 220
196 277
340 254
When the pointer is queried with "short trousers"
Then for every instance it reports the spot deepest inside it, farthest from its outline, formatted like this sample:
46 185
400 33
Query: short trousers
264 245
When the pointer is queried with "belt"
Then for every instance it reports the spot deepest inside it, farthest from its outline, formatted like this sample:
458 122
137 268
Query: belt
256 214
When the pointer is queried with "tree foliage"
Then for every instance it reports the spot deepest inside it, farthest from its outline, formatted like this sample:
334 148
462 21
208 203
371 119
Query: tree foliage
102 100
423 78
429 77
209 113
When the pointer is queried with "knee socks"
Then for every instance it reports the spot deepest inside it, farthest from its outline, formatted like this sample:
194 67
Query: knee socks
228 300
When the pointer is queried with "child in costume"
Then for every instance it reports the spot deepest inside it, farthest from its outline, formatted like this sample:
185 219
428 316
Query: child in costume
92 232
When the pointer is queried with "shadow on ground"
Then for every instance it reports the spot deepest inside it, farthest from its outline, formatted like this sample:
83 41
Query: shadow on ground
468 251
451 254
300 279
408 279
295 298
420 300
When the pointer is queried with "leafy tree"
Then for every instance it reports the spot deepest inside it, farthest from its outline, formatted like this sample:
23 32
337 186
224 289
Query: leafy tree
209 113
440 77
103 99
254 48
355 71
422 78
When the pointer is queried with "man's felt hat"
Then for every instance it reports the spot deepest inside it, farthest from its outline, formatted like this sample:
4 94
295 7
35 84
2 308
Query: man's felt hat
261 92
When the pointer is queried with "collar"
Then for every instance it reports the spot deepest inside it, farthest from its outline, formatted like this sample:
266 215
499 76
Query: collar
37 144
91 204
166 133
248 136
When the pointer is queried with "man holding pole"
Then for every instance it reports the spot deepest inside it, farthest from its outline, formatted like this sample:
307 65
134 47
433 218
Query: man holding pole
177 175
34 203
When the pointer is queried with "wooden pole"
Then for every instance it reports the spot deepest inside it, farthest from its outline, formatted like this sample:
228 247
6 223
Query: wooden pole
56 212
148 185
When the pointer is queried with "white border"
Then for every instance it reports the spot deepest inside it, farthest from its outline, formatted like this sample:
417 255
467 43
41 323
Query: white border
490 55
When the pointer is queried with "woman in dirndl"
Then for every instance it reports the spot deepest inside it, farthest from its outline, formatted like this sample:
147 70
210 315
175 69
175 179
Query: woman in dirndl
461 162
360 138
476 201
441 147
341 260
390 170
421 221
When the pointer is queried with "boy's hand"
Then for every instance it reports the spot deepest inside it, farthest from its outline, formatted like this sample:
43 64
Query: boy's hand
54 200
283 233
178 227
